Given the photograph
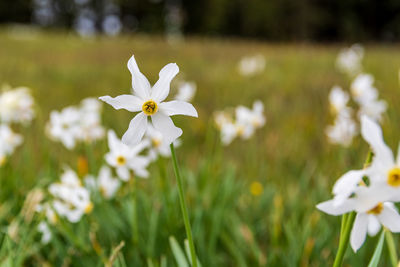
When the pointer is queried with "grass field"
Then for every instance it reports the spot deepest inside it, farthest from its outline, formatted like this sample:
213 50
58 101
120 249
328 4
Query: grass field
289 156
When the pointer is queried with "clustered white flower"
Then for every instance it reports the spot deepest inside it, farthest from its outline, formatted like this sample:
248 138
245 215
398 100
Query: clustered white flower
369 192
16 107
77 124
365 95
186 91
251 65
349 60
244 125
105 183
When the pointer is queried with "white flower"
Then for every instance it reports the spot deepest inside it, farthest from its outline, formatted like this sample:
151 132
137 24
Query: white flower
338 99
64 126
72 200
251 118
186 91
8 140
125 158
148 101
43 228
157 144
105 183
51 216
343 130
349 60
90 121
369 218
251 65
16 105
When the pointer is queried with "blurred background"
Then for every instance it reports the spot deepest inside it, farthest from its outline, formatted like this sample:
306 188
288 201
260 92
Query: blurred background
280 20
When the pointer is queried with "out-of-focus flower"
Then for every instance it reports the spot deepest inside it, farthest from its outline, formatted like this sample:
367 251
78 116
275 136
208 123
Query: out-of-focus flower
148 101
369 191
126 159
16 105
343 130
366 95
186 91
245 123
105 183
74 124
251 65
71 199
43 228
338 99
8 142
157 144
349 60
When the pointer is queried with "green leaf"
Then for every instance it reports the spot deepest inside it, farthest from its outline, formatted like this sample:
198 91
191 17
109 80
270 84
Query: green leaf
378 251
178 253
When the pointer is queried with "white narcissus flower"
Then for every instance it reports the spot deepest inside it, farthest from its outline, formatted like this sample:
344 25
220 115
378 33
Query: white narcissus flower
16 105
8 141
71 199
149 102
90 121
43 228
64 126
344 129
157 144
108 185
251 65
186 91
349 59
126 159
338 99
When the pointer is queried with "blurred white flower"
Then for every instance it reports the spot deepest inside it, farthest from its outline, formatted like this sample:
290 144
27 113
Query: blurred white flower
251 65
105 183
245 123
157 144
126 159
338 99
75 124
48 211
16 105
343 130
8 142
366 95
148 101
186 91
349 60
71 199
43 228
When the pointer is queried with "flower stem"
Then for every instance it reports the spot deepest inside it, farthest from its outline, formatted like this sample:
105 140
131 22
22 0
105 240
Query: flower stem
392 247
184 207
344 240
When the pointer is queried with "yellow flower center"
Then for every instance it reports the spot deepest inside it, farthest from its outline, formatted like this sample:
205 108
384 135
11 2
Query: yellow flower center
156 142
394 177
240 130
376 210
89 208
121 160
2 160
149 107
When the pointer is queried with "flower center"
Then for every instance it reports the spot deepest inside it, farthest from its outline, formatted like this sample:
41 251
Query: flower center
376 210
149 107
89 208
156 142
121 160
394 177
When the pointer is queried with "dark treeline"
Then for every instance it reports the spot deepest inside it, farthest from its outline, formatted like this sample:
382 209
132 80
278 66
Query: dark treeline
320 20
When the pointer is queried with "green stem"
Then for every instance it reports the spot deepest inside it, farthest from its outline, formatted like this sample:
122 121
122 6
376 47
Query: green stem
135 229
392 248
184 207
344 240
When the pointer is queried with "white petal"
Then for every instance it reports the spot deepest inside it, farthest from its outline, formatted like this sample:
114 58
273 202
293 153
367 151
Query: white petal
129 102
123 173
359 231
346 184
160 89
390 218
140 84
110 159
176 107
372 133
165 125
331 208
136 130
374 226
113 141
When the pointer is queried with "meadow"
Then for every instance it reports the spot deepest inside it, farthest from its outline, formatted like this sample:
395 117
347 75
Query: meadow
290 156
